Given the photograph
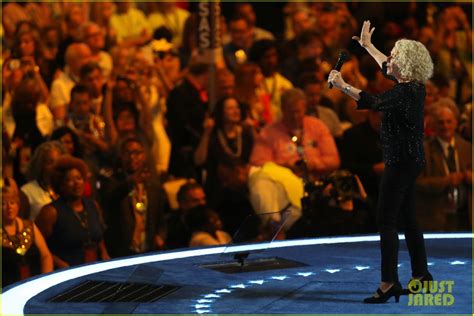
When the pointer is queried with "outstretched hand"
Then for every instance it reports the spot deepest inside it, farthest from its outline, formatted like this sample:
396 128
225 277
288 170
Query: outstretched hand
365 38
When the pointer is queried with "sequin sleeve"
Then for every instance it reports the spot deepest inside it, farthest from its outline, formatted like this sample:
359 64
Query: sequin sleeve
382 102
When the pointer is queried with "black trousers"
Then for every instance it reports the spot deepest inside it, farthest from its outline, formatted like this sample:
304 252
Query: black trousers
396 209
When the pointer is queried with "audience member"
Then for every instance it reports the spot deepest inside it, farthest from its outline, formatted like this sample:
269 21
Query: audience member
169 15
91 77
297 141
431 97
190 195
38 189
89 127
74 17
225 84
134 204
76 56
309 45
24 250
123 99
249 91
206 228
186 109
69 139
72 225
130 25
242 38
94 37
101 13
273 191
33 119
225 140
265 54
313 88
245 9
445 184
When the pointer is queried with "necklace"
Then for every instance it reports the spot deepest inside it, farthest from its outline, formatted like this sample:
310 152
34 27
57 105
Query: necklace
225 145
20 241
139 199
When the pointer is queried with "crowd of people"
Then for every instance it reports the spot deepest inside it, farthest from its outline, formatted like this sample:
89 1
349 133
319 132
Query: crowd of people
111 147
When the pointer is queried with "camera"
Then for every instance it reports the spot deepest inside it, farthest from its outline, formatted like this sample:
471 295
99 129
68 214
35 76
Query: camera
338 187
344 185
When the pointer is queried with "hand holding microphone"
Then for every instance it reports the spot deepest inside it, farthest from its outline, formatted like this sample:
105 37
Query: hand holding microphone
343 56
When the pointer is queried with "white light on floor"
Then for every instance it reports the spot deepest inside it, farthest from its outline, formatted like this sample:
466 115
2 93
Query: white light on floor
360 268
221 291
212 296
203 300
280 278
430 263
305 274
203 311
457 262
200 306
257 282
332 270
238 286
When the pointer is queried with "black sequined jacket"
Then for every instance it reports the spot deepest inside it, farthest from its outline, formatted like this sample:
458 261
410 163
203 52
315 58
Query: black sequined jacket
401 130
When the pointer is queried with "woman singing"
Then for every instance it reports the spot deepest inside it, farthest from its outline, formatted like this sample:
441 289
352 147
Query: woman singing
401 133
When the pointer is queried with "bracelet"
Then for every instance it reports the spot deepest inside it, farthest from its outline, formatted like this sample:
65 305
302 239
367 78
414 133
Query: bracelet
347 89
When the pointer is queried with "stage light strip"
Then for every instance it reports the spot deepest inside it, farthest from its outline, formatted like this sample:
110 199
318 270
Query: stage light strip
15 299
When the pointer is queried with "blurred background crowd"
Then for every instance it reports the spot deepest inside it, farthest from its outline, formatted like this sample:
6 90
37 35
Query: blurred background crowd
110 146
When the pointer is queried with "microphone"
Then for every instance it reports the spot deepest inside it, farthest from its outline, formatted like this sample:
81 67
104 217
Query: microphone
343 56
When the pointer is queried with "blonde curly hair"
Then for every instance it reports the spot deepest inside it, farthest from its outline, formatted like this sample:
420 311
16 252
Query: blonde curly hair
413 60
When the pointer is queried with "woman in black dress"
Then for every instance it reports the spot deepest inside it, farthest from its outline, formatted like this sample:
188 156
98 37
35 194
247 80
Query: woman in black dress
72 224
226 140
401 133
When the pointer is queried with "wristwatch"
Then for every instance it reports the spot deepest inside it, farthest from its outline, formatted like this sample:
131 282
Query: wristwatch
347 89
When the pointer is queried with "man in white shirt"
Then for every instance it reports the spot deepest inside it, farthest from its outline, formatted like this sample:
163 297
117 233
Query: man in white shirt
272 189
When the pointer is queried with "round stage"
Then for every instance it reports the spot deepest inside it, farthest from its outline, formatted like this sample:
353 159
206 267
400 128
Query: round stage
324 275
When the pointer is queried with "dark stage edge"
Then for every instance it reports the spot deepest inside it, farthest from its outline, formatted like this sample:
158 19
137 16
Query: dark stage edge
340 272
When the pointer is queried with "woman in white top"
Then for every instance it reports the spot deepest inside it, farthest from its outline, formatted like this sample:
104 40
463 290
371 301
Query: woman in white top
38 190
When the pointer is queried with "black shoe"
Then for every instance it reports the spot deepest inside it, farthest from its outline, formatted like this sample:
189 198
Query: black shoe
395 290
426 277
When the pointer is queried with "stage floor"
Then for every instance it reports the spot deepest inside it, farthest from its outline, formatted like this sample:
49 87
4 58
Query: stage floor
337 273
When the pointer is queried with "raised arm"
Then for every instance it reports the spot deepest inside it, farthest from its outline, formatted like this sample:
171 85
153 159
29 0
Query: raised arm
110 129
365 40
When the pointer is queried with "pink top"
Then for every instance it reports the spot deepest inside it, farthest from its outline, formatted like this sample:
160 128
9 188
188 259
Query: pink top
274 144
